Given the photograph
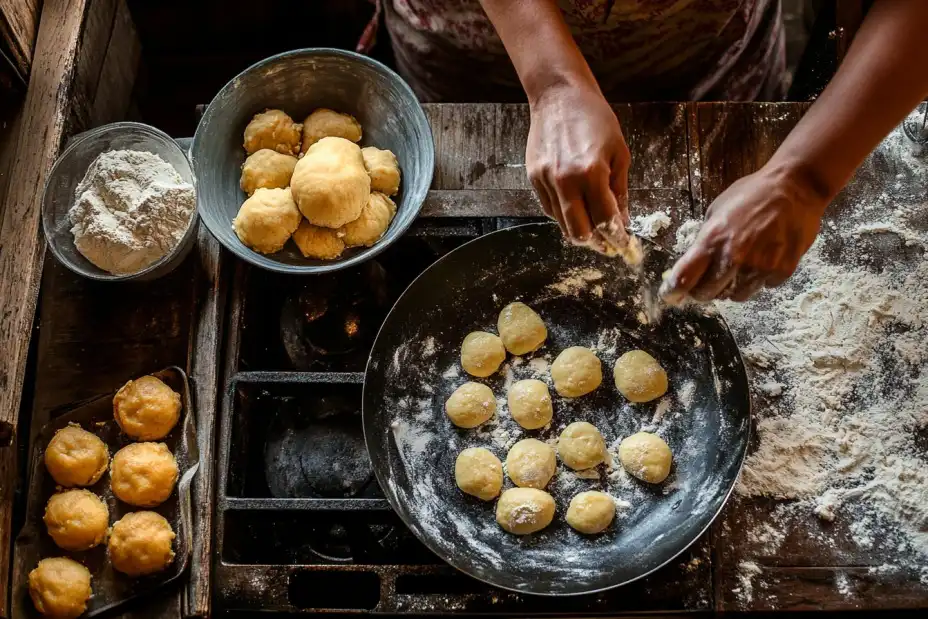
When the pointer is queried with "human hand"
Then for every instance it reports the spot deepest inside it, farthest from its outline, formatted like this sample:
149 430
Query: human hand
577 161
754 235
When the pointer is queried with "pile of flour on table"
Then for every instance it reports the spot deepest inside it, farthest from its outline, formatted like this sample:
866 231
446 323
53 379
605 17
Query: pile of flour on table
130 210
839 365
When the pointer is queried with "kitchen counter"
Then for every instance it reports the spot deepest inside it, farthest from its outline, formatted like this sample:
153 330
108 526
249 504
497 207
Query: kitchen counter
92 337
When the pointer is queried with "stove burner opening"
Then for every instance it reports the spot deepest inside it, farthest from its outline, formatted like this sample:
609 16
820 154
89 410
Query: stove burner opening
315 449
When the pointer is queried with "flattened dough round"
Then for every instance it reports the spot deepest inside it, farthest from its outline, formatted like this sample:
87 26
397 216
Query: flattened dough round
329 184
581 446
383 169
76 457
521 329
371 224
482 353
318 243
266 220
531 463
591 512
639 377
646 456
524 510
143 474
146 409
530 404
266 169
576 371
76 519
470 405
326 123
275 130
60 587
478 473
141 544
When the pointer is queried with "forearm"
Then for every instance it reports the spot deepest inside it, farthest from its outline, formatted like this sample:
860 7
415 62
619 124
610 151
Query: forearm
540 45
882 78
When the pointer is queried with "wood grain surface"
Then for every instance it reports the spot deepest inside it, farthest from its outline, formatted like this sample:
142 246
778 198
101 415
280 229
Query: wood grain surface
19 23
204 356
684 155
71 47
816 566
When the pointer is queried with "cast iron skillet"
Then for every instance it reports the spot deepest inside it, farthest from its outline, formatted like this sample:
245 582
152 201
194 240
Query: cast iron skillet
587 300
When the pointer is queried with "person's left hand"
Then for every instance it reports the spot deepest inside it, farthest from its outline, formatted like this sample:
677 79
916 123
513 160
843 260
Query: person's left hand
754 235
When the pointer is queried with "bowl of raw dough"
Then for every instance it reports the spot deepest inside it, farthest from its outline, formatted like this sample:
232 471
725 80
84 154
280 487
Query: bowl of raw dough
299 82
164 244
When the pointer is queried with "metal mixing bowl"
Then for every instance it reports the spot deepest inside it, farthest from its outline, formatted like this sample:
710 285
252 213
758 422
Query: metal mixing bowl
298 82
69 170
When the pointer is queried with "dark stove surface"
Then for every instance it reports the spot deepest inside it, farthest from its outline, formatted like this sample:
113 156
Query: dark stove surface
302 524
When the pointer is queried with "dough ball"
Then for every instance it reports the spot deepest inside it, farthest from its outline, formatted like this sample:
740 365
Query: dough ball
383 169
591 512
60 587
639 377
581 446
324 123
266 220
577 371
482 353
470 405
479 473
646 456
267 169
374 220
146 409
521 329
77 519
141 543
274 130
531 463
143 474
330 184
524 510
75 457
318 243
530 404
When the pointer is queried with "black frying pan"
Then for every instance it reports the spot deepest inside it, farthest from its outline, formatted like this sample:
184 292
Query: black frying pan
588 300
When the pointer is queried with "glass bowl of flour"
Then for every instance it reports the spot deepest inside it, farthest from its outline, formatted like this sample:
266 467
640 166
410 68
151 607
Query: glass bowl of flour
120 204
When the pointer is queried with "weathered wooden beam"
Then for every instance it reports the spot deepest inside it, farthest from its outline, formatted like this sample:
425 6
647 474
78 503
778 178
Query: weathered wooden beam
19 21
68 67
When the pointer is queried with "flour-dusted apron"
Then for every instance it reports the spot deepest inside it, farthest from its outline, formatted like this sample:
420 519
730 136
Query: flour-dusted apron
638 49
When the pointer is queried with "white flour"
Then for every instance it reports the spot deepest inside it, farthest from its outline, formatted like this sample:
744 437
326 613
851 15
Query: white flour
130 210
649 226
839 357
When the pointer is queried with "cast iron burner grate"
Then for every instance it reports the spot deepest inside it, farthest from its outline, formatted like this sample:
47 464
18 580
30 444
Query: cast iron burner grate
301 522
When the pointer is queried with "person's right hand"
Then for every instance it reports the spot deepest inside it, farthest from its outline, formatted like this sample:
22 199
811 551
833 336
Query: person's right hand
577 161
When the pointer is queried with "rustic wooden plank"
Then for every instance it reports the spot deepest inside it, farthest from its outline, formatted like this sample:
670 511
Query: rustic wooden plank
10 119
120 66
205 342
482 146
19 22
730 140
524 202
830 589
803 563
98 29
21 248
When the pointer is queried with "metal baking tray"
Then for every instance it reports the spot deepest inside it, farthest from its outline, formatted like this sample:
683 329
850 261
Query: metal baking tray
111 589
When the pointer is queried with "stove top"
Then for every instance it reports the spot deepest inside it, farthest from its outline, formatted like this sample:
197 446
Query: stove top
302 525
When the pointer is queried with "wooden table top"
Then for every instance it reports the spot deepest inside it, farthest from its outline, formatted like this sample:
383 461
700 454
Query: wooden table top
94 336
